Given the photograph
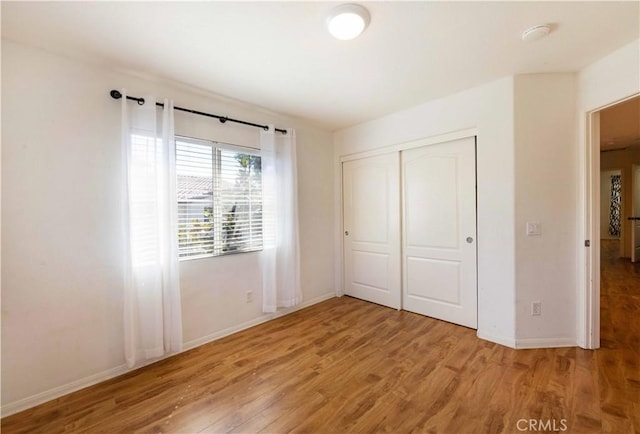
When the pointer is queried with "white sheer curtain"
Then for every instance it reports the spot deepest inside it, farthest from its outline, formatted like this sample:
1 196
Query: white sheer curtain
152 311
281 252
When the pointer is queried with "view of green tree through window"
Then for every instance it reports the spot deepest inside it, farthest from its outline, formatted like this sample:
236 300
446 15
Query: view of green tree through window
219 189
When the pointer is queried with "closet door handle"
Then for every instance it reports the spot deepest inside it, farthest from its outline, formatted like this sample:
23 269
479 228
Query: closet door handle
469 240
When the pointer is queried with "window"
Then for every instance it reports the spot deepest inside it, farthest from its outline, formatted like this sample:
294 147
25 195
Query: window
219 190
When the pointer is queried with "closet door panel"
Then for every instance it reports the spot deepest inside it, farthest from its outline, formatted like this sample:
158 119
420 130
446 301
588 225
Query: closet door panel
439 231
371 221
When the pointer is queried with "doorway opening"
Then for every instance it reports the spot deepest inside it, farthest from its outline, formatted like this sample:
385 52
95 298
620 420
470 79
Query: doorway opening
615 198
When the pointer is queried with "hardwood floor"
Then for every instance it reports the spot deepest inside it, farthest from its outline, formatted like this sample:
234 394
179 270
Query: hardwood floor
618 360
346 365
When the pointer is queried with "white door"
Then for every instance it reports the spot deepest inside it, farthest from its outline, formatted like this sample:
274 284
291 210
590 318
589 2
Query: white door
635 219
371 201
439 231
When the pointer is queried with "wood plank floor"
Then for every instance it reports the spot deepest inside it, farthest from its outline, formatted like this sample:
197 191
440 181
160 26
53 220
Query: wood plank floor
350 366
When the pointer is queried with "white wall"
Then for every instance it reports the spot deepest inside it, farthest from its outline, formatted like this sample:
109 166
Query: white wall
610 79
61 242
488 109
545 167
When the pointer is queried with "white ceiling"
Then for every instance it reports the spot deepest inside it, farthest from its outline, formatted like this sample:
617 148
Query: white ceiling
278 55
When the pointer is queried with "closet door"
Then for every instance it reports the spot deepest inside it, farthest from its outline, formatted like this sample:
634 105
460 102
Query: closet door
439 231
371 212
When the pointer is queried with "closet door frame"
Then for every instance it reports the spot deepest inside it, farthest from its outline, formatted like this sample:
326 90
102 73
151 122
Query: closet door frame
412 144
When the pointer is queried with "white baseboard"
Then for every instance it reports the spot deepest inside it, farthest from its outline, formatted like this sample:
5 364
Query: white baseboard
502 340
65 389
254 322
529 343
546 343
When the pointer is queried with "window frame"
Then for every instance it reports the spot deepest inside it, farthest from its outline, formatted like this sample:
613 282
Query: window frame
217 207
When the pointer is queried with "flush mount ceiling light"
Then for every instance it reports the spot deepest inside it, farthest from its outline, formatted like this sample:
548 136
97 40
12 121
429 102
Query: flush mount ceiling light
536 32
347 21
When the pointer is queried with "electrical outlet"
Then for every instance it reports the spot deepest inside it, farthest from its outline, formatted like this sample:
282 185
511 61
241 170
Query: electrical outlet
536 308
534 228
249 296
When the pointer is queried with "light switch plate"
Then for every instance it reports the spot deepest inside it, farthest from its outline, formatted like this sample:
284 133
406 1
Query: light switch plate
534 228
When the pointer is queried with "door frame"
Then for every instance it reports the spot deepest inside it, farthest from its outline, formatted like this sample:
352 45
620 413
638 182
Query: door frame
590 295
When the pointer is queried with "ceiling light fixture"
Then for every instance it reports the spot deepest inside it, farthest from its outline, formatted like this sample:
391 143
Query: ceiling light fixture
347 21
536 32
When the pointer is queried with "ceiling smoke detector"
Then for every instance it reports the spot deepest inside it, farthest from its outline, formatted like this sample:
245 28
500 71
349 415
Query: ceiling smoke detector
536 32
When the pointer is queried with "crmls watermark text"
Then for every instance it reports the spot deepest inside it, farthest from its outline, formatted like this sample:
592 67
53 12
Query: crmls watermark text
539 425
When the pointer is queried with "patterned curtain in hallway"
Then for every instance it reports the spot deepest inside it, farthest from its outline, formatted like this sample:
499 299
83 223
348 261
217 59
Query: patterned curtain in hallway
614 207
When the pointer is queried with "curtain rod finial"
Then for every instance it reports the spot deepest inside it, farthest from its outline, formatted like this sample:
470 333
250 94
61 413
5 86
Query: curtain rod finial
115 94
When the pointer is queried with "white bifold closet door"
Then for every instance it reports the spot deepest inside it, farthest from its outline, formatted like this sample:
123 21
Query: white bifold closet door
410 229
371 212
439 231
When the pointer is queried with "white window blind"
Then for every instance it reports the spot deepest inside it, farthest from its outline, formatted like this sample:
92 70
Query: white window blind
219 198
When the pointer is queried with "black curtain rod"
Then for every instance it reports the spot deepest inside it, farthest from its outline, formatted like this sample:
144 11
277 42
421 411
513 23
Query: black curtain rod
115 94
